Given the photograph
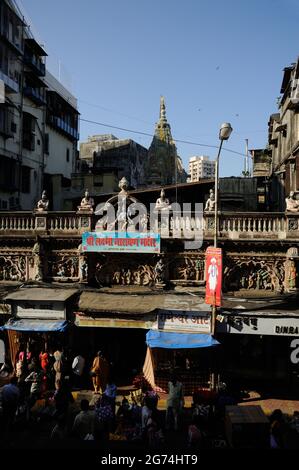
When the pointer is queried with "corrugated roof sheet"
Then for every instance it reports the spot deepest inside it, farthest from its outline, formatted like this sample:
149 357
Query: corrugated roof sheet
40 293
126 303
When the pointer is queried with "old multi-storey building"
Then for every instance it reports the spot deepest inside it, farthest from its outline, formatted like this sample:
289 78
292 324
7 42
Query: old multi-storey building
279 161
201 167
164 165
38 118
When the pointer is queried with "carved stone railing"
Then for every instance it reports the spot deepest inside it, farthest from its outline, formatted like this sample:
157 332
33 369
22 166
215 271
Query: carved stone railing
232 225
17 221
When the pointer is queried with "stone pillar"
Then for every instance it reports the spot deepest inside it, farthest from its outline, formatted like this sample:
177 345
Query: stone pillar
38 263
40 221
83 266
85 220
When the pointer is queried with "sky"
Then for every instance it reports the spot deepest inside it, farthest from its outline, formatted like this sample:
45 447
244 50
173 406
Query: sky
214 61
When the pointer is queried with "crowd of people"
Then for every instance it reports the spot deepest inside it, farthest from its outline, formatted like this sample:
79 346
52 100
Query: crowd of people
53 375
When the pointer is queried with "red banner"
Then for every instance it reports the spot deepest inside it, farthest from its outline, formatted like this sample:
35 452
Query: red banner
213 276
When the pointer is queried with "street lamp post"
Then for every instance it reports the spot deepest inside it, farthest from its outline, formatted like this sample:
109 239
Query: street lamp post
224 134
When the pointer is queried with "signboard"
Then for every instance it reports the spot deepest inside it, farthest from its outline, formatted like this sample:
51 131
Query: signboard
213 276
85 321
46 310
126 242
253 325
183 321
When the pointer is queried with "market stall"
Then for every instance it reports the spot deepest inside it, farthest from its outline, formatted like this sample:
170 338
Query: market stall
192 357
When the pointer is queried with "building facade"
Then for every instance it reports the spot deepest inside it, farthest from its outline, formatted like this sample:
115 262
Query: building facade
279 161
201 167
38 118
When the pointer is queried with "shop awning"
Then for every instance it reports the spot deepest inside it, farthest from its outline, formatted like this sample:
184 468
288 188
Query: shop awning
35 325
161 339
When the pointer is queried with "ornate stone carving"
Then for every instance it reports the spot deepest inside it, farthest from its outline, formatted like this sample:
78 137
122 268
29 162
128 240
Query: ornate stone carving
160 272
41 222
293 224
65 266
123 271
292 252
13 268
253 274
291 275
211 223
38 253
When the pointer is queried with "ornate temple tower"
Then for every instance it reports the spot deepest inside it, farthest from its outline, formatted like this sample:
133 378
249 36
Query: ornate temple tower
164 165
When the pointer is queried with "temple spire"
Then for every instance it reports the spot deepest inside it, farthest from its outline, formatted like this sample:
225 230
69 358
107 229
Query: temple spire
162 109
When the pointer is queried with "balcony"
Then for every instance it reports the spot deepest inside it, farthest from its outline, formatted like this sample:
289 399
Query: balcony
10 83
35 95
62 126
36 64
255 226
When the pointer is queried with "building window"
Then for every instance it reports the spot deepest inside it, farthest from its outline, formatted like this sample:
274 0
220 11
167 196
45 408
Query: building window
67 155
25 183
8 174
46 144
28 131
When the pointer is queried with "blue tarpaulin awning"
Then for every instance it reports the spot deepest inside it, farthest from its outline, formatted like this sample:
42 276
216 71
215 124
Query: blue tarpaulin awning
35 325
162 339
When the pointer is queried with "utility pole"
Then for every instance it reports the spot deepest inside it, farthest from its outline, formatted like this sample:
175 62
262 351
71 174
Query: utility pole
247 159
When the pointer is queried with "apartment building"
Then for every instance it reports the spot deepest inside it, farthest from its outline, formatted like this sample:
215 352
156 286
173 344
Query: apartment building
201 167
38 119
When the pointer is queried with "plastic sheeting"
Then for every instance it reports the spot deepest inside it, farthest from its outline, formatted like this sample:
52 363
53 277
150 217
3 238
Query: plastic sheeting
162 339
35 325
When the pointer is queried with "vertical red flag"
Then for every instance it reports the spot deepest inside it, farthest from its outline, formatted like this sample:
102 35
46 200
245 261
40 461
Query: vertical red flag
213 276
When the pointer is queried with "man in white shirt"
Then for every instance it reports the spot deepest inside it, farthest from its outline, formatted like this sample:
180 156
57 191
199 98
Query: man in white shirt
78 368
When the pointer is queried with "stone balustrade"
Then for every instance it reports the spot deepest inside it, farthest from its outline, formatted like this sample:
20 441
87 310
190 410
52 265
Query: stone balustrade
232 225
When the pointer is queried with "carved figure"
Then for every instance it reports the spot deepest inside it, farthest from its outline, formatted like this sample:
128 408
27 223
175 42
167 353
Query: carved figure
87 202
292 205
162 202
292 275
43 203
83 269
210 204
159 271
123 184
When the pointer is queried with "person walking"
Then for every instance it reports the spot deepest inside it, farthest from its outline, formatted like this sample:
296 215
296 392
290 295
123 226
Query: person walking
77 370
175 402
99 373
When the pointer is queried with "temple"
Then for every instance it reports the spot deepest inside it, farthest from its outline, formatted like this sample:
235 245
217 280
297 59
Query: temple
164 164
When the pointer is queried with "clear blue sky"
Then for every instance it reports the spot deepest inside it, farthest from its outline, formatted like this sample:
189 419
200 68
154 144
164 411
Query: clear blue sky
214 61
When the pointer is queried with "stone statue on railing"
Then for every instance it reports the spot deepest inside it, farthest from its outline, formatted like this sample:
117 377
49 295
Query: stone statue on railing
162 203
123 185
210 204
87 203
43 203
292 205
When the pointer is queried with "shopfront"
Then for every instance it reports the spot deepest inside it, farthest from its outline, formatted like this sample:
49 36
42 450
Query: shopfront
120 325
40 319
260 350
